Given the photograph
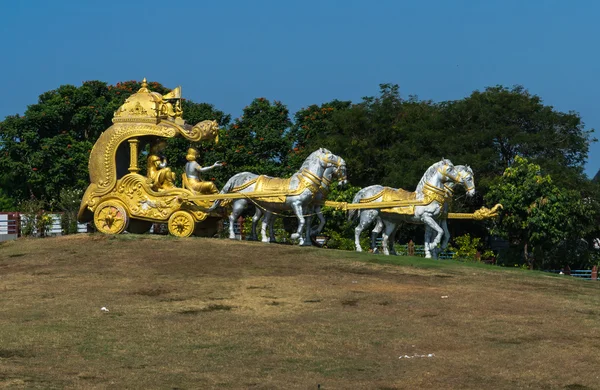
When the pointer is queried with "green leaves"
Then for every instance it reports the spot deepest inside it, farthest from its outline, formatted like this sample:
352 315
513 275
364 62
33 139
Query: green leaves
539 214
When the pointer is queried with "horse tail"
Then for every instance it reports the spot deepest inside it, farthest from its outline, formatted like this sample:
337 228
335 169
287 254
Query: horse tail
226 188
354 213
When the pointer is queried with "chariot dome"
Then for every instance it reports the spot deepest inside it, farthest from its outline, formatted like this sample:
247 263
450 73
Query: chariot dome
142 106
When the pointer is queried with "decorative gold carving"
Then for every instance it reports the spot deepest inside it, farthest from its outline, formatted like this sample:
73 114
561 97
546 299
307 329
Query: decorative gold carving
181 224
133 155
205 130
142 106
478 215
111 217
267 183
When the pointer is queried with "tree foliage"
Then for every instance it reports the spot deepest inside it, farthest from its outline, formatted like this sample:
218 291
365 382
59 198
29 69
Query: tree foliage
539 217
256 142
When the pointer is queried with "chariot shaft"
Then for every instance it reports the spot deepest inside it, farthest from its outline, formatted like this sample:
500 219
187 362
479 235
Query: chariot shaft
483 213
235 195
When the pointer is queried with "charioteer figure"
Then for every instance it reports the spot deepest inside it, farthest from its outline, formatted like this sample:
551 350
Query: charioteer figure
160 177
192 178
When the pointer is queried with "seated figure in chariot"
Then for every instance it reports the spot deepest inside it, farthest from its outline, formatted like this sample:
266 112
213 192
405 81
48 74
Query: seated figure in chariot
191 177
160 177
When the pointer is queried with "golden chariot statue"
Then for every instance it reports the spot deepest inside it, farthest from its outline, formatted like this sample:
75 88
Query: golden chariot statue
119 198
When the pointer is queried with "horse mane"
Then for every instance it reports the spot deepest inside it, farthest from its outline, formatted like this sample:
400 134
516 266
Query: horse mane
430 172
313 156
459 168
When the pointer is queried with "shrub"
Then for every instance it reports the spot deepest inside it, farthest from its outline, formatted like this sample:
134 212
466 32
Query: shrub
466 248
68 202
35 221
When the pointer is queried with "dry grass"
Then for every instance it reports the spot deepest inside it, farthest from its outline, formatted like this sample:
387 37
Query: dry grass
204 313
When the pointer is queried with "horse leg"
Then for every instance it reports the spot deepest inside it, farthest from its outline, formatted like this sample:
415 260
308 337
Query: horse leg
237 207
366 217
390 227
393 241
263 227
319 228
272 228
427 239
357 230
446 237
297 206
375 233
430 221
257 215
444 225
307 228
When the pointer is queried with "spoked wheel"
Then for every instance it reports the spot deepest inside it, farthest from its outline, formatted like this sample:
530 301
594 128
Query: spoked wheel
181 224
138 226
110 217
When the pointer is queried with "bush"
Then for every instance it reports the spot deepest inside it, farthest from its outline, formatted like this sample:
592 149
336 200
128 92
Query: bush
68 202
467 248
35 221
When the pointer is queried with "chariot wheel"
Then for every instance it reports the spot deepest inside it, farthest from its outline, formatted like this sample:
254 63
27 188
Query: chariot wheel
110 217
181 224
138 226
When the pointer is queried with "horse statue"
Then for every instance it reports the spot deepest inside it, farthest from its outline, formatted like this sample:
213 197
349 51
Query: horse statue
423 206
336 172
467 178
465 174
297 192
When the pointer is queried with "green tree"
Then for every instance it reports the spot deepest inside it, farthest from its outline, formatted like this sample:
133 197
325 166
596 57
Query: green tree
311 127
539 217
489 129
256 142
176 149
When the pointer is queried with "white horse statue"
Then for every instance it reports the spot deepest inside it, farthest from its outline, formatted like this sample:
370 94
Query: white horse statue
424 205
299 190
466 177
337 172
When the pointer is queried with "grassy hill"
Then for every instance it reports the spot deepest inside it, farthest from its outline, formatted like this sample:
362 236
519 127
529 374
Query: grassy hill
206 313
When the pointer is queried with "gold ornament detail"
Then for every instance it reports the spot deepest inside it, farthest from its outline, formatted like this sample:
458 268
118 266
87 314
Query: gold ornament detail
181 224
111 217
478 215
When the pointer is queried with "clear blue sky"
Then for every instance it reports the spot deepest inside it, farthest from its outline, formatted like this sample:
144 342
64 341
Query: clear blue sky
302 52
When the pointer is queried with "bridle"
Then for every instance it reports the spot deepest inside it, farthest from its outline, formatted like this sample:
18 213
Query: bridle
444 172
328 159
462 178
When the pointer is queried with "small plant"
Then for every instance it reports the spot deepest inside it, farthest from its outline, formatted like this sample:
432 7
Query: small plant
68 202
468 248
338 241
35 221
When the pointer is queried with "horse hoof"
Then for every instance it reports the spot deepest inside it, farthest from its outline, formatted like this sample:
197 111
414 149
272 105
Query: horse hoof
295 236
